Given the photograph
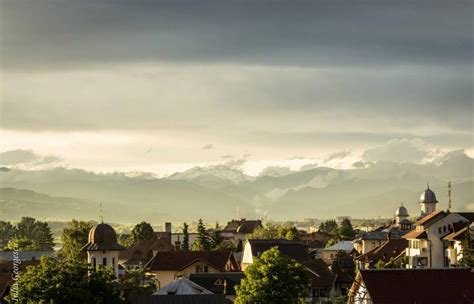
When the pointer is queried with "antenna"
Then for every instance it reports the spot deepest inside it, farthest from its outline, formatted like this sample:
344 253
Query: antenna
101 213
449 195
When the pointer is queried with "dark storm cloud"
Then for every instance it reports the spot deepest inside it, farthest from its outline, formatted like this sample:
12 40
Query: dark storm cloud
67 33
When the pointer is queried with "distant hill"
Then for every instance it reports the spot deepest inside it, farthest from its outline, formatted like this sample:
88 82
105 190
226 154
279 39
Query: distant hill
215 192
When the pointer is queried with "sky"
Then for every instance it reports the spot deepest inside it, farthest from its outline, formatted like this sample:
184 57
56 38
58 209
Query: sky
162 86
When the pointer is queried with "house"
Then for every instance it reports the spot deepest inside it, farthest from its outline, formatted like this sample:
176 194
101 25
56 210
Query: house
458 241
315 240
218 283
238 230
426 247
254 248
139 254
450 285
322 280
389 252
166 266
368 241
330 253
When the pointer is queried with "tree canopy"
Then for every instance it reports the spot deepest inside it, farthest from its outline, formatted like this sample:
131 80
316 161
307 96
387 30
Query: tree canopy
285 231
73 238
65 281
273 278
203 240
29 234
142 232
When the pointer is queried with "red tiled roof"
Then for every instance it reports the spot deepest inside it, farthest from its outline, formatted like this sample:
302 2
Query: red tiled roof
413 234
427 218
177 260
450 285
457 234
295 250
390 249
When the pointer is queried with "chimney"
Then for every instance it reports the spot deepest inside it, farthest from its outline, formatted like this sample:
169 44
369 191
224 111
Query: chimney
168 227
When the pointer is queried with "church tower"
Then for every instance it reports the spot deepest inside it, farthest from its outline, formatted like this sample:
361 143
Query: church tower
427 201
102 247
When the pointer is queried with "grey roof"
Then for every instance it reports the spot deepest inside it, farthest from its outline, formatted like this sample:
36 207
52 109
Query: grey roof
215 281
179 299
401 211
342 246
182 286
428 196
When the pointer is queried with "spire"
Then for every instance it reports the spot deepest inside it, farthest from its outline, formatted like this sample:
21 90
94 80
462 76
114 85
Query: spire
427 185
101 213
449 195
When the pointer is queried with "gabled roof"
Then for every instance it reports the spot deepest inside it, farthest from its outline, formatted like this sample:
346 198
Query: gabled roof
243 226
218 283
143 251
321 274
373 235
448 285
341 246
467 215
182 286
178 260
458 232
413 234
390 249
430 218
295 250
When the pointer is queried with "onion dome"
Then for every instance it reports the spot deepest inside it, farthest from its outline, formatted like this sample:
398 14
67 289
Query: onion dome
401 211
428 196
102 237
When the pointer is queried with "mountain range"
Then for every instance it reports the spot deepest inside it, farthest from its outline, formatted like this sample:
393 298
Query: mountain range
221 192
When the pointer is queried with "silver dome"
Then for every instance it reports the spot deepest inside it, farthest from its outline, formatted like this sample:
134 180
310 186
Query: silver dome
401 211
428 196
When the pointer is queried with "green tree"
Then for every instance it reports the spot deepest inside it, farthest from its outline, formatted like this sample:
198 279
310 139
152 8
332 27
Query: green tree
43 237
345 231
203 239
134 281
467 259
65 281
329 226
142 232
26 228
31 234
285 231
74 236
273 278
185 244
7 232
216 239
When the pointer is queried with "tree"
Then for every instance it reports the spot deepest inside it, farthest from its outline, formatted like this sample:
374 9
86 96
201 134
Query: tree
286 231
202 241
185 244
7 232
65 281
216 239
467 244
135 283
73 238
31 234
43 237
273 278
142 232
345 230
329 226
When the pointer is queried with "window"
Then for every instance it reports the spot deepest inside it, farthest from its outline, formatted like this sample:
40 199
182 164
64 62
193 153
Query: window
113 263
439 230
202 268
94 262
104 261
